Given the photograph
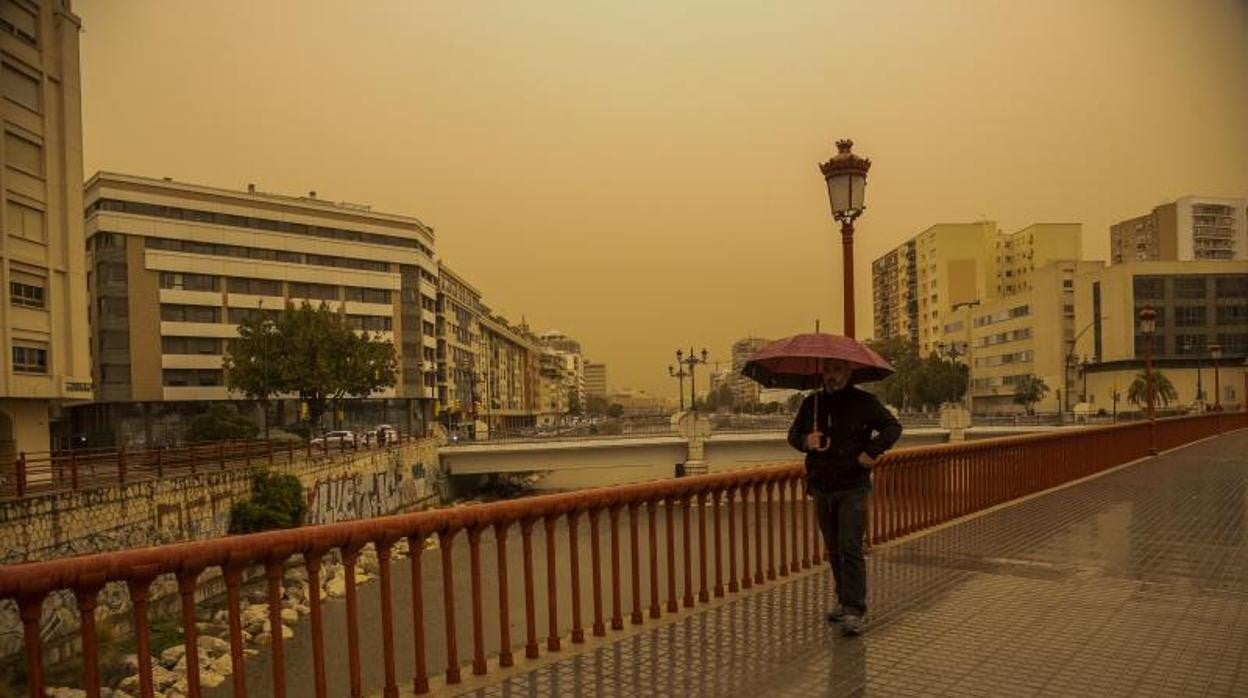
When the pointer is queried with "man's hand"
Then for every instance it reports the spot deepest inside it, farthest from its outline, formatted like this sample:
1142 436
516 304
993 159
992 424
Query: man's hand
814 440
866 460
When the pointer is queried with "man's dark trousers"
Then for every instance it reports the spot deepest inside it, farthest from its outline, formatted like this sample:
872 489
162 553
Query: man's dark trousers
842 516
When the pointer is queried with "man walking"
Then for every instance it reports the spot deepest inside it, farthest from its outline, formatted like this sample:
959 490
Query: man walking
843 431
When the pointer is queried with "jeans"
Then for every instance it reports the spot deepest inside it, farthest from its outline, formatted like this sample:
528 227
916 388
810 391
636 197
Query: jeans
842 519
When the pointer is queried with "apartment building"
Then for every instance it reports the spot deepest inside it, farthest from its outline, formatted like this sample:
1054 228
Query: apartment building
745 391
918 284
512 373
460 348
175 267
1192 228
45 321
1027 333
1198 304
595 379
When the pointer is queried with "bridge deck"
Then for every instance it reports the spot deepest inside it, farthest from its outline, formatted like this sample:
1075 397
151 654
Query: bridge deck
1135 583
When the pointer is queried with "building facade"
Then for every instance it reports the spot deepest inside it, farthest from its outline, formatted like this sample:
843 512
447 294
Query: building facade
595 379
175 267
745 391
45 322
918 284
512 373
1198 304
460 355
1193 228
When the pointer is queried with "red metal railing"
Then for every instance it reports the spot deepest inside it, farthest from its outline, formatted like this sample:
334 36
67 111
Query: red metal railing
914 488
37 473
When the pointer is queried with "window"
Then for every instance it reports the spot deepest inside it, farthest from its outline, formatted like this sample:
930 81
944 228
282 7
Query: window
1189 287
238 316
114 308
254 287
184 377
1189 316
170 312
1235 344
24 221
1159 345
1189 344
428 328
111 340
189 282
1232 315
22 153
1150 287
19 87
314 291
28 291
30 357
190 345
114 374
1228 286
371 323
20 19
368 295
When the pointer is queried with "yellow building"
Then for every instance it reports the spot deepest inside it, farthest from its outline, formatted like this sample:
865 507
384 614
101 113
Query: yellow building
1027 333
595 379
918 284
1198 304
45 321
176 267
1191 228
460 353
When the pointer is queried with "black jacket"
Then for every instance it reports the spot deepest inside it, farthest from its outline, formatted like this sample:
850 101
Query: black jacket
853 422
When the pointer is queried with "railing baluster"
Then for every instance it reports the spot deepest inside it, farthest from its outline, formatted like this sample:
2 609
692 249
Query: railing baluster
672 604
688 551
703 594
190 641
651 513
350 556
599 628
635 558
758 533
716 495
273 574
505 657
478 621
617 601
312 563
415 549
139 591
530 609
784 543
552 586
31 610
87 598
384 549
446 538
747 581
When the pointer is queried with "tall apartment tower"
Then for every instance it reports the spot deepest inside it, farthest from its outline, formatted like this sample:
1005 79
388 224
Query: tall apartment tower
1194 228
47 360
595 379
176 267
918 284
744 390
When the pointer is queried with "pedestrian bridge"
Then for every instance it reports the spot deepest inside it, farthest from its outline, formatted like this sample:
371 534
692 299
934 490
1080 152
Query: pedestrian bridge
1108 560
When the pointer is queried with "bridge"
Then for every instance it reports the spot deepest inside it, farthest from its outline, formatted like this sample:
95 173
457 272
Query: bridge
1100 560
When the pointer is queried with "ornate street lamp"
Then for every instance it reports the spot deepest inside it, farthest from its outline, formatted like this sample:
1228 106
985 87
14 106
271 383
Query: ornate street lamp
1215 350
690 362
681 375
1148 325
846 177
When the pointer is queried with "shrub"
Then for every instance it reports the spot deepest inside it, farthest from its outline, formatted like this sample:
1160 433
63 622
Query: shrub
220 423
276 502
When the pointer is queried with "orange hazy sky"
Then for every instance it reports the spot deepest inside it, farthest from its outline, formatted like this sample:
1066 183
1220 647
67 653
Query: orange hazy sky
642 175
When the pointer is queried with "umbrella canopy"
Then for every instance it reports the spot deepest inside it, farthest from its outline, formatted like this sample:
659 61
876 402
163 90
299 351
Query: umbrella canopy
795 362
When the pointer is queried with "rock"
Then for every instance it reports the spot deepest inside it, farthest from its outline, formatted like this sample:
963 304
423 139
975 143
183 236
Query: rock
302 609
290 616
298 574
249 652
62 692
287 633
163 679
221 617
210 679
212 647
257 596
262 638
170 657
254 617
131 663
130 684
336 588
223 665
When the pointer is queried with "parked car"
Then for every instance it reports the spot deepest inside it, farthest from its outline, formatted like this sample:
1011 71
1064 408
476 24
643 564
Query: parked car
386 434
336 438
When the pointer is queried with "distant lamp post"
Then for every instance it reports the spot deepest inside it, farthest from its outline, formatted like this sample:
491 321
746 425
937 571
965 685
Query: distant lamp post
1189 348
846 177
680 375
1244 398
1215 350
691 361
1148 325
1083 371
954 352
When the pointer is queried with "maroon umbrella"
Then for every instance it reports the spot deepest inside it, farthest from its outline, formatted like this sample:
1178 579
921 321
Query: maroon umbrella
794 362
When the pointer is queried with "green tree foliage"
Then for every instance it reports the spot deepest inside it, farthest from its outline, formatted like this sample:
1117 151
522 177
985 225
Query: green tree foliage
310 352
917 383
1029 391
221 422
1137 393
276 502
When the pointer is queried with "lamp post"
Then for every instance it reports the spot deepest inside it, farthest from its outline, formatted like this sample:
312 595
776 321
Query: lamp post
1215 350
1083 372
846 177
1244 403
1200 388
953 352
680 375
1148 325
692 361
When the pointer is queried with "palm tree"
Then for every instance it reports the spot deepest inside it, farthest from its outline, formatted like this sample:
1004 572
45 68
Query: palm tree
1137 394
1029 391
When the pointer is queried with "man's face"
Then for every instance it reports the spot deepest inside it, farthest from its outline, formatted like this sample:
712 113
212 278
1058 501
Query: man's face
836 375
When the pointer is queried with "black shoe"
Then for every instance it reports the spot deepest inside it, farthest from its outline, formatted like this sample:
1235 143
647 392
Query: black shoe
853 625
837 614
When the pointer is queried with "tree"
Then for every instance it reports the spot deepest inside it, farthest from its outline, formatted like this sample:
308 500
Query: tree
596 405
1137 393
276 502
1029 391
615 410
252 362
938 381
574 401
221 422
898 389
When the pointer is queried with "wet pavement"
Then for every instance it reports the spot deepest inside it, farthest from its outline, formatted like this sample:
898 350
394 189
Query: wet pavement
1133 583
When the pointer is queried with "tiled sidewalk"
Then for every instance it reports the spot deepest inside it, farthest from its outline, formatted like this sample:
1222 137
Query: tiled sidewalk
1135 583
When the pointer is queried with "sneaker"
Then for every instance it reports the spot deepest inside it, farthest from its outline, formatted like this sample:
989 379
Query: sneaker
837 614
853 625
